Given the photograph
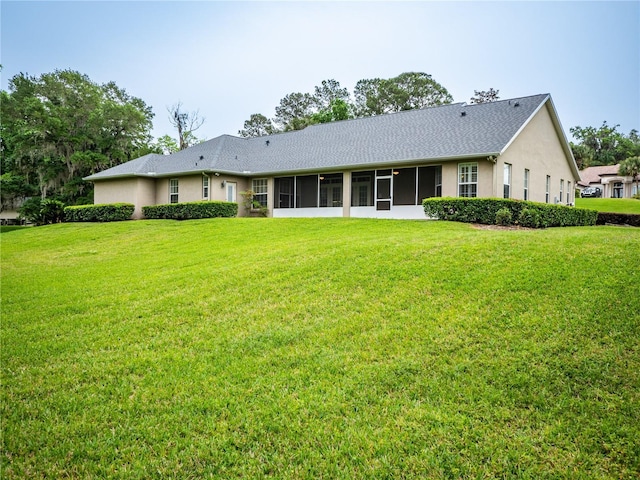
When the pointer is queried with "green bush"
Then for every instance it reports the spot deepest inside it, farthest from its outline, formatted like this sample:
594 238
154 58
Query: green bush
529 217
504 217
485 210
191 210
42 212
107 212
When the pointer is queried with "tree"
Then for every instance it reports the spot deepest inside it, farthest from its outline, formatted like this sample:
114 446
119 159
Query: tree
294 111
328 92
603 146
338 110
167 145
631 167
407 91
186 123
483 96
257 126
61 126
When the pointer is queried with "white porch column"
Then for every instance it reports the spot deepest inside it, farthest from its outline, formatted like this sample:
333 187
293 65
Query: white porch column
346 194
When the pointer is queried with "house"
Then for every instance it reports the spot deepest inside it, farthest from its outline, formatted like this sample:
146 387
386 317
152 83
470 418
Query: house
606 178
380 166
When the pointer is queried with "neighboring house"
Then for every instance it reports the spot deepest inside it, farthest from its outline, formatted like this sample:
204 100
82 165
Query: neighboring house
606 178
379 166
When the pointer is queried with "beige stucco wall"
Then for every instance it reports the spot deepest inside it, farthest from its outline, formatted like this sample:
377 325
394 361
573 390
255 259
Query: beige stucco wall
539 149
138 191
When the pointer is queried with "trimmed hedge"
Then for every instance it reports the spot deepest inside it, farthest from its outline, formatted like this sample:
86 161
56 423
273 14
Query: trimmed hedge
490 211
191 210
632 219
107 212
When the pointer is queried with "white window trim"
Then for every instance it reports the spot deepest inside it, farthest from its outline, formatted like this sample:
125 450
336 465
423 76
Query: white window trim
206 187
256 193
506 180
527 174
470 173
177 190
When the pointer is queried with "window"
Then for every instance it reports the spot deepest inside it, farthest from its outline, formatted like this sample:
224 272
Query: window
507 181
526 184
568 192
467 179
205 187
259 187
173 190
561 189
362 188
548 187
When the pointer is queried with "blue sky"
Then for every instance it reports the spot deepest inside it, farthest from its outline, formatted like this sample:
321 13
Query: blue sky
231 59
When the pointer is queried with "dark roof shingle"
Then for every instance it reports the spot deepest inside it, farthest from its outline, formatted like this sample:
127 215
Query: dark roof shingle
430 134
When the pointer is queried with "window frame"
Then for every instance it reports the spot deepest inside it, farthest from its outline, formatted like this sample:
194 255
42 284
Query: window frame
206 187
506 180
548 188
173 193
527 174
260 196
466 173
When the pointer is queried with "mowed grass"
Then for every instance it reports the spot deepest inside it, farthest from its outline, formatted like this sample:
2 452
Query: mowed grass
320 348
614 205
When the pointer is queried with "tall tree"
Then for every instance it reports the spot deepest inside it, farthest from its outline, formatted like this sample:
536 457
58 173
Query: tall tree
604 145
257 126
407 91
337 110
328 92
294 111
186 123
61 126
631 167
167 145
485 96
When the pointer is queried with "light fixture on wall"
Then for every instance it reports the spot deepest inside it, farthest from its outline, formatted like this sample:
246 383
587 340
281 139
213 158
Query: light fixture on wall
223 184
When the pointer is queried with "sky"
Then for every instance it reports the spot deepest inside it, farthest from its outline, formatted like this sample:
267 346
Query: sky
228 60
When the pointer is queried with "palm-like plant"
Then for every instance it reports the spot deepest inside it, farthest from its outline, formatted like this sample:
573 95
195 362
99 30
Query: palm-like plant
631 168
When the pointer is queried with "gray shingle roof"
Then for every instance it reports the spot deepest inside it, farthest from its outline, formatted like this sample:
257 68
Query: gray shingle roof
429 134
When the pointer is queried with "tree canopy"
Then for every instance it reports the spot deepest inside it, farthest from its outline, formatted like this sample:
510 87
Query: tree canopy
603 146
61 126
485 96
330 102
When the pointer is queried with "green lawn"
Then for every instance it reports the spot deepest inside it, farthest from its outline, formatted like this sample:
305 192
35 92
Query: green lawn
319 348
615 205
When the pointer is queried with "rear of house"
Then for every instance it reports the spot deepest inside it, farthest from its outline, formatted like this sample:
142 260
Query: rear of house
380 167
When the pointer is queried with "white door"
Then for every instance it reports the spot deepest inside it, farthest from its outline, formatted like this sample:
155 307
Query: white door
231 191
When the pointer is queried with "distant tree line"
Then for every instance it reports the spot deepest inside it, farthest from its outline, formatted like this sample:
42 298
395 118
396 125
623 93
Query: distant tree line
603 146
330 102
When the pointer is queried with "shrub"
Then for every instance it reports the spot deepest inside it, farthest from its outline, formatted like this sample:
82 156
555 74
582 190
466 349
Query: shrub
504 217
191 210
485 210
529 217
631 219
108 212
42 212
